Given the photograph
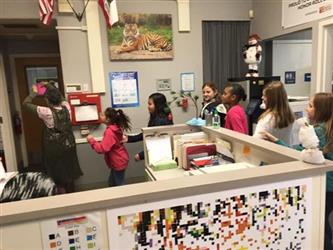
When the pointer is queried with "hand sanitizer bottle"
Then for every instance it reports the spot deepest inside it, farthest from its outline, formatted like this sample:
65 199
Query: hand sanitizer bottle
216 120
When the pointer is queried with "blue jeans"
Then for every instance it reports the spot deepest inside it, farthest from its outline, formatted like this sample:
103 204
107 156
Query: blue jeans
116 178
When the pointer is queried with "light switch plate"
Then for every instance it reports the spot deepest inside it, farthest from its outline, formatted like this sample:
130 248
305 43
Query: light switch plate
163 84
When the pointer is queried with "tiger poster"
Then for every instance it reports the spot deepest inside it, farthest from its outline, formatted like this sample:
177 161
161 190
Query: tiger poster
141 37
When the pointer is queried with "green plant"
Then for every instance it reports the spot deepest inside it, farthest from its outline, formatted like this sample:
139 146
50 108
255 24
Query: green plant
179 96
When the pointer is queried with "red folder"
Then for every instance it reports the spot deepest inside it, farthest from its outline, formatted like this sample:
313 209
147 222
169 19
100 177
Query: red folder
198 150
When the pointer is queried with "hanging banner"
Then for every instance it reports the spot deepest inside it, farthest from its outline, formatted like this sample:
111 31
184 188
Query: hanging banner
296 12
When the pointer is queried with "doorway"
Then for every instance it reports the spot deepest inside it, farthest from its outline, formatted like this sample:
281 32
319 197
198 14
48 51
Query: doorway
30 70
7 145
324 61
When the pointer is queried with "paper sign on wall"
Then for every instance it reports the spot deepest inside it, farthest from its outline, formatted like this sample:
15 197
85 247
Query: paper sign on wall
73 232
295 12
187 82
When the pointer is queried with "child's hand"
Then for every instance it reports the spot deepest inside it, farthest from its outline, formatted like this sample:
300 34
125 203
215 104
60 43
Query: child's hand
125 139
89 137
269 137
137 157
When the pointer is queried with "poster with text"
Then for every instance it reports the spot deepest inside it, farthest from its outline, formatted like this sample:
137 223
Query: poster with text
124 89
76 232
296 12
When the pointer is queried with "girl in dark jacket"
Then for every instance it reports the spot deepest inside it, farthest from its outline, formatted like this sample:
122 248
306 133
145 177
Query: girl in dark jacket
160 115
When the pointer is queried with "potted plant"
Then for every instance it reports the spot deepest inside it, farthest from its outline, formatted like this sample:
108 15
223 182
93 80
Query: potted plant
181 99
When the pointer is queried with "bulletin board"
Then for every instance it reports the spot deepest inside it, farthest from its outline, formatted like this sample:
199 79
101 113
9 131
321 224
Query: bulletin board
269 216
124 89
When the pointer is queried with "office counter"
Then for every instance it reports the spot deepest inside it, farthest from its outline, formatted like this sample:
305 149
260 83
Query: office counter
245 149
275 206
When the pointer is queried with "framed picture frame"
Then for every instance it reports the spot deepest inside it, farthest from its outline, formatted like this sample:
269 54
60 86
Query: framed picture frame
124 89
141 37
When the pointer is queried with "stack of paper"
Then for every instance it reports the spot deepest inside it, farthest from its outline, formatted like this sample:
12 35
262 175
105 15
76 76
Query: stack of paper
159 152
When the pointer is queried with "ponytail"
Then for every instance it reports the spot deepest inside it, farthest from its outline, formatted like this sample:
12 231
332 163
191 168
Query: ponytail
118 117
123 120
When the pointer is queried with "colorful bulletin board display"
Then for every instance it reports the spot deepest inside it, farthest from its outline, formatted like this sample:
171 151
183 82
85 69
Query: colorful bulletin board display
124 89
73 232
187 82
271 216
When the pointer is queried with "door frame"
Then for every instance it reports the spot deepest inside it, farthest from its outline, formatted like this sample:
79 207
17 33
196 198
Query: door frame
7 126
12 59
324 49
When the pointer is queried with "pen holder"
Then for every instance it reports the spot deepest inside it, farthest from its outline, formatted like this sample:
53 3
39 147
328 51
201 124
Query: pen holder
209 119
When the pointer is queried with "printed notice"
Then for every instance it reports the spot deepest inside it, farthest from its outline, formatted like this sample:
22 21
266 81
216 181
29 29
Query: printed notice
75 232
187 82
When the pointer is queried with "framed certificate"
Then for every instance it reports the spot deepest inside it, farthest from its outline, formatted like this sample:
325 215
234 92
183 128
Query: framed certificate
187 82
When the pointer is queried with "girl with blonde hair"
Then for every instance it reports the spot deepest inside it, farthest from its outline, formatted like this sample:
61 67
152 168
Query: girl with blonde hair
278 118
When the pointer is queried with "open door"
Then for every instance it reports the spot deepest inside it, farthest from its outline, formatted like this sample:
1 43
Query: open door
29 71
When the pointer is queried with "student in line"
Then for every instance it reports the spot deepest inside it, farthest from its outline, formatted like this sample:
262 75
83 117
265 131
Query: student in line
210 96
115 153
236 118
278 119
160 115
58 143
320 115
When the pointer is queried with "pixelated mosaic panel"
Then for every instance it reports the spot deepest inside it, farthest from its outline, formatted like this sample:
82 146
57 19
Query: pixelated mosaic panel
272 219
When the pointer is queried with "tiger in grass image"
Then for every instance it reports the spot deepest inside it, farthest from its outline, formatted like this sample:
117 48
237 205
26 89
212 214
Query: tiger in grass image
134 41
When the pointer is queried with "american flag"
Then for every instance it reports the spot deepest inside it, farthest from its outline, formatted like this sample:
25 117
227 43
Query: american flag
46 11
109 8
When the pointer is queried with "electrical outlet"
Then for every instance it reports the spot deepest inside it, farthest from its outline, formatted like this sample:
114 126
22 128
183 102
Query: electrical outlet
163 84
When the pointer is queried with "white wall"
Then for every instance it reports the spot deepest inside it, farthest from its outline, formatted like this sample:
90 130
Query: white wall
267 21
268 24
293 55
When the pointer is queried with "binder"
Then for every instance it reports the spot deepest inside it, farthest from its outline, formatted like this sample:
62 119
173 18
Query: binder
191 151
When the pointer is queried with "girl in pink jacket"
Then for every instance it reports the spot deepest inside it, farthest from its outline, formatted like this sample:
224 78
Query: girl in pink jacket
115 153
236 118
